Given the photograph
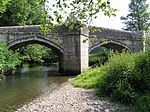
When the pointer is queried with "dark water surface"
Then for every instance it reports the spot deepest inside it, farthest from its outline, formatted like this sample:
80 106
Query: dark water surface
26 84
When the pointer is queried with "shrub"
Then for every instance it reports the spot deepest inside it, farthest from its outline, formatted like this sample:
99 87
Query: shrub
125 79
8 58
115 83
141 82
143 104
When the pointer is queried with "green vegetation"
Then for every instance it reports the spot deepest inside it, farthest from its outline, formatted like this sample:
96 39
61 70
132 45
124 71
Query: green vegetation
89 79
78 12
33 53
23 12
98 58
142 104
138 17
3 4
8 59
28 12
125 78
36 53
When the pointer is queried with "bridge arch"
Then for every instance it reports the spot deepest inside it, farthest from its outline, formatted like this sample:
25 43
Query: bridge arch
72 49
17 43
112 45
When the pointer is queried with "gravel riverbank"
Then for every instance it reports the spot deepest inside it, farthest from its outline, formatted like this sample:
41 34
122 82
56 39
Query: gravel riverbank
70 99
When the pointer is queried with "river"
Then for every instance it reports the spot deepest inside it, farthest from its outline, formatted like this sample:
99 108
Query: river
26 84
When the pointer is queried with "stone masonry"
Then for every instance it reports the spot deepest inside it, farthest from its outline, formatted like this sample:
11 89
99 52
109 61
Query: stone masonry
71 48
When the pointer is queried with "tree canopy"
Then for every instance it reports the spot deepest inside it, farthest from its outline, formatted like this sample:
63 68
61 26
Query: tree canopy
3 4
38 53
8 59
78 11
52 12
138 17
23 12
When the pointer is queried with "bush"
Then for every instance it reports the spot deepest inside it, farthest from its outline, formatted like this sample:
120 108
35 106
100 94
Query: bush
142 73
127 77
143 104
8 58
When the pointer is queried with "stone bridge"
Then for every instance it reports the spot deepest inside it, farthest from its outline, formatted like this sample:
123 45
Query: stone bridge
72 51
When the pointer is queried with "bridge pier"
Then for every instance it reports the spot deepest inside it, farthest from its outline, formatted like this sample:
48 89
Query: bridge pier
75 51
72 50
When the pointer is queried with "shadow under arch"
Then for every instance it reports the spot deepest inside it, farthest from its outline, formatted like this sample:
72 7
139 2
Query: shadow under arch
15 44
112 45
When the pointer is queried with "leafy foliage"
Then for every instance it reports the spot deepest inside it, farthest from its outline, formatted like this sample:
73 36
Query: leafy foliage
143 103
125 78
38 53
139 16
3 4
54 13
8 59
23 12
98 58
79 12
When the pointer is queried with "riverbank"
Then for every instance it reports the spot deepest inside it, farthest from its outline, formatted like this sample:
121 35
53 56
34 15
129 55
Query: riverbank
70 99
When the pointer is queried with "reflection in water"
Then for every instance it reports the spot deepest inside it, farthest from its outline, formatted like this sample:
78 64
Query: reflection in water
26 84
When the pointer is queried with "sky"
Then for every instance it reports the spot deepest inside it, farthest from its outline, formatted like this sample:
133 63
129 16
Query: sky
114 22
111 22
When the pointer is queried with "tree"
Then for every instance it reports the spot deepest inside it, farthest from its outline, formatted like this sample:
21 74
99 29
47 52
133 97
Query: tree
8 59
30 12
78 11
23 12
3 4
38 53
138 17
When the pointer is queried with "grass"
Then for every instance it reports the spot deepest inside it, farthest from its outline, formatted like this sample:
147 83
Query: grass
124 78
89 79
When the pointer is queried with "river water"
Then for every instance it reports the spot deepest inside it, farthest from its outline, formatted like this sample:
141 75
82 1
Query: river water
26 84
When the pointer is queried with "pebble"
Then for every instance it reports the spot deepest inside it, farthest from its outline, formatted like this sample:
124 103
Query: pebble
70 99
